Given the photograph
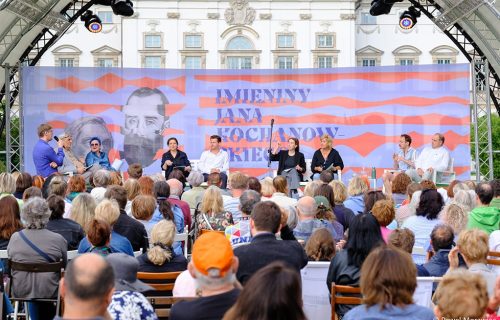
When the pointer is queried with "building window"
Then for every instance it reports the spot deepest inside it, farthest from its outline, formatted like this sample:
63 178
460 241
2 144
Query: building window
325 41
66 62
285 62
369 62
192 41
367 18
193 63
152 62
405 62
443 61
152 41
285 41
105 63
105 16
239 43
325 62
239 62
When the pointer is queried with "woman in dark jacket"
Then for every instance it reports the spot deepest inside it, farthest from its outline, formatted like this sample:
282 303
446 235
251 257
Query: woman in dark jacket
291 158
175 158
325 158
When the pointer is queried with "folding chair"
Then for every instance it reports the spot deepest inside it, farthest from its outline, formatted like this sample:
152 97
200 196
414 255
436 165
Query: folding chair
184 238
335 300
160 281
54 267
493 258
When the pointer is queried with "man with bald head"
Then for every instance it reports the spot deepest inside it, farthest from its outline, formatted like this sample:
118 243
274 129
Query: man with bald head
87 292
308 223
176 190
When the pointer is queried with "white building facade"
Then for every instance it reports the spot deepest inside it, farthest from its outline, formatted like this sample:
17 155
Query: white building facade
246 34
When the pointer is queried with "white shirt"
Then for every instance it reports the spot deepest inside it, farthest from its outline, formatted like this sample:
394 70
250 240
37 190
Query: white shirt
438 159
209 160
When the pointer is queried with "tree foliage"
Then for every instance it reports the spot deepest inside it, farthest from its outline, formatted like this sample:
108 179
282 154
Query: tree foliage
495 138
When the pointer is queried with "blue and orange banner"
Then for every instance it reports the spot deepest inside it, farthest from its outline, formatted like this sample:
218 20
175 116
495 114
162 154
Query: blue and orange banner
364 109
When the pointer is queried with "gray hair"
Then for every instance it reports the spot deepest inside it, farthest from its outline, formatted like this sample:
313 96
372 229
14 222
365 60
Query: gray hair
35 213
460 186
102 178
248 200
7 183
311 187
465 198
214 283
157 177
195 178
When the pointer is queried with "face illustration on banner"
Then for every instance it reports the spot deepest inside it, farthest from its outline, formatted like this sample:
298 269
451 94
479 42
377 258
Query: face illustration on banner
83 129
145 121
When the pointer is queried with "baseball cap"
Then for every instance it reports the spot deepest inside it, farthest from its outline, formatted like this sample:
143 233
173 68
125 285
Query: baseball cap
323 201
212 254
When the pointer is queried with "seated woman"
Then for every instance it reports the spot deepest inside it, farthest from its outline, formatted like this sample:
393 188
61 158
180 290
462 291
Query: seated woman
291 164
212 214
324 213
356 189
388 281
143 208
96 156
69 229
320 246
99 236
161 257
175 159
325 158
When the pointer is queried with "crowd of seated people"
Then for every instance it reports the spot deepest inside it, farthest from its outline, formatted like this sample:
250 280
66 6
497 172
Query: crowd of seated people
250 243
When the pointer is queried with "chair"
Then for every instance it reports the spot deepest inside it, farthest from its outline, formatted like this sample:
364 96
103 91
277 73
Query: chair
183 237
55 267
162 305
160 281
72 254
444 177
344 299
493 258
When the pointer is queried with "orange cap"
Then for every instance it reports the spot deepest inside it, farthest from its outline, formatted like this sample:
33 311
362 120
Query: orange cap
212 254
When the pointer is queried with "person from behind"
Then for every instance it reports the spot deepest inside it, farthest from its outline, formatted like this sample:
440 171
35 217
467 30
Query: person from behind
99 236
276 290
69 229
388 281
86 291
441 243
484 216
356 189
194 195
320 246
212 214
213 266
383 211
134 171
239 233
495 185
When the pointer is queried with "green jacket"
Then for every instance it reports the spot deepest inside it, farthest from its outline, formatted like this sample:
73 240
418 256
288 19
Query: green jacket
495 203
484 218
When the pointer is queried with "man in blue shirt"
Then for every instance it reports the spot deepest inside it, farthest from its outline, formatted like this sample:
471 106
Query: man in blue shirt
45 158
403 160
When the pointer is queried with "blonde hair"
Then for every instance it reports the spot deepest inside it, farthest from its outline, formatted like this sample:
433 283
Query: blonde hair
383 211
462 294
116 178
7 183
133 188
311 187
162 236
108 210
356 186
267 187
473 245
455 216
212 201
339 191
143 207
83 210
328 140
238 180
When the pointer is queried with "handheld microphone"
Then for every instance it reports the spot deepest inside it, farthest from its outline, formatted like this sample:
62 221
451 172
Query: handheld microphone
272 121
56 138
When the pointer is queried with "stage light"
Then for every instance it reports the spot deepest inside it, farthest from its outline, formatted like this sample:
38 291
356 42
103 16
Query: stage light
408 18
91 21
123 7
379 7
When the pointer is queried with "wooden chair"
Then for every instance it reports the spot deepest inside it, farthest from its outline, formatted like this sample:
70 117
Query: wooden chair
160 281
344 299
162 305
54 267
493 258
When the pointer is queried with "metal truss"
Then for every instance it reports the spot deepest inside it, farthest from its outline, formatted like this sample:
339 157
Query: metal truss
42 42
482 121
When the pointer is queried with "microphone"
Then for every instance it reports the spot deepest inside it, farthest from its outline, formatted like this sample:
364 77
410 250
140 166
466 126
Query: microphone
56 138
272 122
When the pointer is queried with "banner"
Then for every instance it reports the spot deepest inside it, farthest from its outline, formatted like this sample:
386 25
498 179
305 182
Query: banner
135 111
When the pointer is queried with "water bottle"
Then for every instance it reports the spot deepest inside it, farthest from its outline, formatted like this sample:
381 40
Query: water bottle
374 173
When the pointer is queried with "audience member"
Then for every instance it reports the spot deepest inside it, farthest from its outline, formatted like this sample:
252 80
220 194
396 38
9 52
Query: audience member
311 187
441 244
388 281
99 236
178 175
276 290
344 215
76 185
405 211
83 210
495 185
213 266
324 213
320 246
143 208
176 190
212 214
86 291
147 185
238 183
265 248
455 216
8 186
461 295
160 257
116 178
484 216
134 171
370 197
133 190
345 267
254 184
428 184
101 180
399 186
194 195
280 197
10 220
31 192
326 176
465 198
23 182
127 301
383 211
403 239
38 181
356 189
127 226
239 233
71 231
267 188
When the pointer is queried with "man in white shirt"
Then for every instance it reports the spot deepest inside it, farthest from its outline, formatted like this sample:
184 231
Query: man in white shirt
432 158
215 160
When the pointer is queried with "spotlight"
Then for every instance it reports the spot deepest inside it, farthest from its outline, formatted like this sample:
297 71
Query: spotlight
91 21
379 7
408 19
123 7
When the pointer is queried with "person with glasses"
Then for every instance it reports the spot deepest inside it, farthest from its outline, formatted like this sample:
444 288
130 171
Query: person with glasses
435 157
96 156
45 158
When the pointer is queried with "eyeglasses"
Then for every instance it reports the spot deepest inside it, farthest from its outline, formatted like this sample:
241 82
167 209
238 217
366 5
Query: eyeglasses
94 144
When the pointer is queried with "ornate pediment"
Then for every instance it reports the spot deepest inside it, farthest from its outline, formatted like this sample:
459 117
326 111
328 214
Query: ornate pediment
239 13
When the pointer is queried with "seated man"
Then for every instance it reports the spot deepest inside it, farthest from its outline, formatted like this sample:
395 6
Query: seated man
435 157
484 216
213 267
45 158
238 183
71 164
240 232
264 248
306 209
215 160
403 160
